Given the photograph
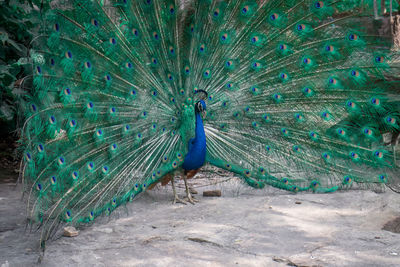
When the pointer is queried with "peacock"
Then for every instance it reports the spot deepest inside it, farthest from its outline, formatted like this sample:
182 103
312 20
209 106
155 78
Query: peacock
293 94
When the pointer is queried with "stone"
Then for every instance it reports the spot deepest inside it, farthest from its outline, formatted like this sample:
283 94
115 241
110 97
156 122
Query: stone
212 193
70 231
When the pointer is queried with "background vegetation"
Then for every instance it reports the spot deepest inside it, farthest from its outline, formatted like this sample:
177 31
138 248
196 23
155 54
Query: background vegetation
20 21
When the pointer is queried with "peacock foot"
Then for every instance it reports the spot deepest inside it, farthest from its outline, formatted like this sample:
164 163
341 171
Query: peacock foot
178 200
189 198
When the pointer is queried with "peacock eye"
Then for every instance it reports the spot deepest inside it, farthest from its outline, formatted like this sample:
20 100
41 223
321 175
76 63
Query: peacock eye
216 12
95 22
171 9
353 37
155 35
319 4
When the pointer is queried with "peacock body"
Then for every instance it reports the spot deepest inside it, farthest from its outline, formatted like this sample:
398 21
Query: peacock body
196 155
298 96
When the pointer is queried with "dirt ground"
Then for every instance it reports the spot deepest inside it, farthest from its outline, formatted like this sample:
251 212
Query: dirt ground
244 227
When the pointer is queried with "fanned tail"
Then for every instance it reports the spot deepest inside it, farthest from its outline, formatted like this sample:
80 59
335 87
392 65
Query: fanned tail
300 94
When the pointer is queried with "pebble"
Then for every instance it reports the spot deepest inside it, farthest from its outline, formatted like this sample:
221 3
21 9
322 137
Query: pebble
70 231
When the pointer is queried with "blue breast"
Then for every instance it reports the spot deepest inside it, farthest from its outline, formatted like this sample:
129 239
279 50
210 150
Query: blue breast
196 155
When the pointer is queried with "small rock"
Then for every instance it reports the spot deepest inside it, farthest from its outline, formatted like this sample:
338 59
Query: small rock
212 193
70 231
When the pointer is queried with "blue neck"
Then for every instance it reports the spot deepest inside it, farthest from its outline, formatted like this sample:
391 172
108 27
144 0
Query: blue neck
200 137
196 155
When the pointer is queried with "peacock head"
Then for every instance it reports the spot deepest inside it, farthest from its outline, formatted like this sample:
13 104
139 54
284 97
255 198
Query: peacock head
200 108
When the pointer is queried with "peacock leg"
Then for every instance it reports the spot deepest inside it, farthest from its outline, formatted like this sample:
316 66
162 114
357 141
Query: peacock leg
188 194
176 198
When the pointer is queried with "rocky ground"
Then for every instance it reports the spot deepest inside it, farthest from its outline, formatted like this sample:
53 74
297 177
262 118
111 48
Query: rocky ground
244 227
